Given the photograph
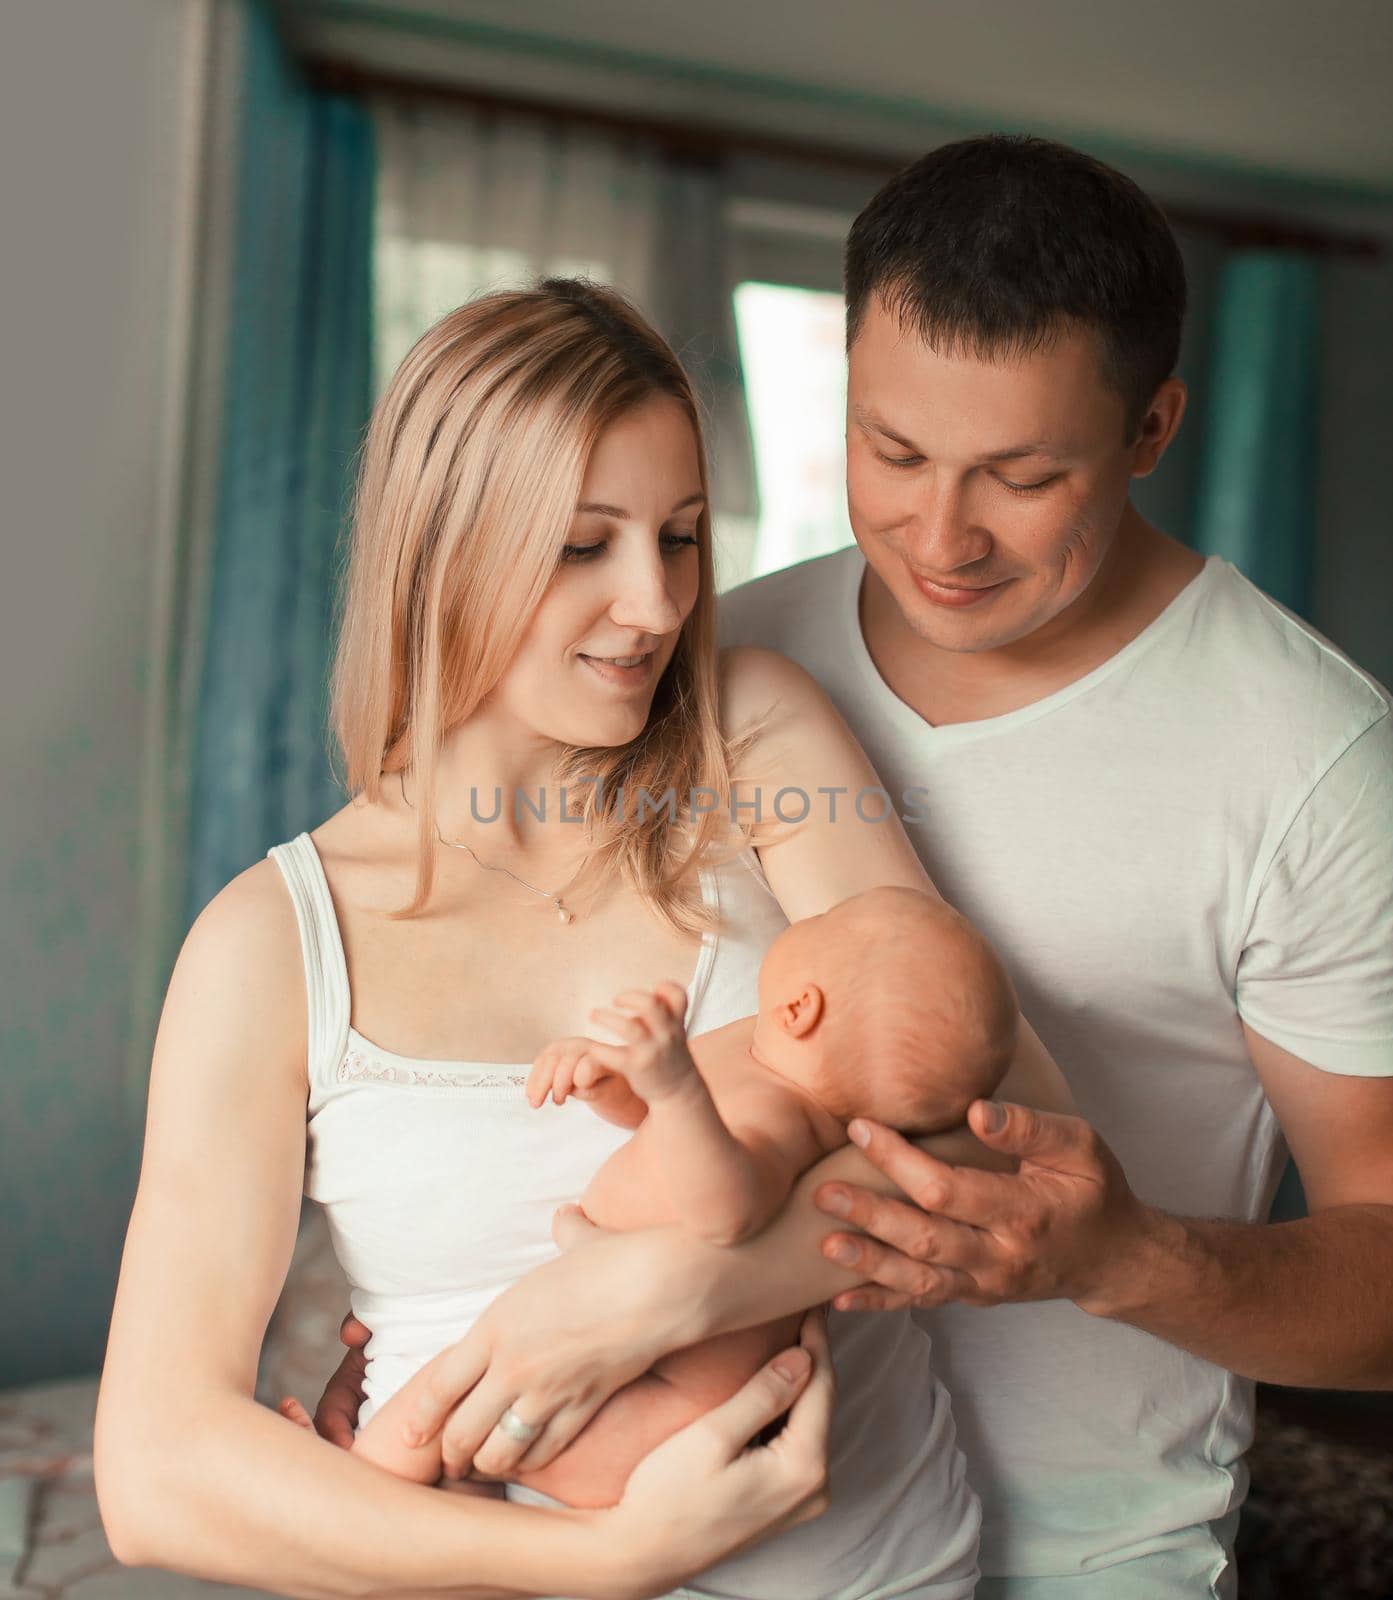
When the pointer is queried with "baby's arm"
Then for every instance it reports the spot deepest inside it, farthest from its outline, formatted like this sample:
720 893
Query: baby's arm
772 1142
723 1187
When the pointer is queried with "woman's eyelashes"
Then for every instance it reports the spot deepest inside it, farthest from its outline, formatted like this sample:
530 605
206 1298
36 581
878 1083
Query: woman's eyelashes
670 542
905 462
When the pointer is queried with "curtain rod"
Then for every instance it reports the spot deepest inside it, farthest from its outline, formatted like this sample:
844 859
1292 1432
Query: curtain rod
709 146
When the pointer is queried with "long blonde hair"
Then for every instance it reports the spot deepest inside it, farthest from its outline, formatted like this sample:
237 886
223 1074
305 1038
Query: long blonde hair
468 481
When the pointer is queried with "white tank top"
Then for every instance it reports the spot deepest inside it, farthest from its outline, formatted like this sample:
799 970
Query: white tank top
439 1180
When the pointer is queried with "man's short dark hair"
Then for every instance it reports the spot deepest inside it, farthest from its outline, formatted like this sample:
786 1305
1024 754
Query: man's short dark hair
988 246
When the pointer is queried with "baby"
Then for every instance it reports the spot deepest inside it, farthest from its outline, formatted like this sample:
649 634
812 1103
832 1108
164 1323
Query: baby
890 1005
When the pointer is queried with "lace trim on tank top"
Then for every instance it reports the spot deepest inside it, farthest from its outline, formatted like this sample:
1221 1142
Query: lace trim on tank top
365 1063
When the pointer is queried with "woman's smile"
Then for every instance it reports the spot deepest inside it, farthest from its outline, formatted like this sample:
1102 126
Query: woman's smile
624 672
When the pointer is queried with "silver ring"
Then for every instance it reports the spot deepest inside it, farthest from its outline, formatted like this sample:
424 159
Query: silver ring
513 1425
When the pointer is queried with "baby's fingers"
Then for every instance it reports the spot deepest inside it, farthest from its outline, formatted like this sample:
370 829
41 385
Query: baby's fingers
564 1080
630 1028
634 1000
589 1074
554 1069
674 997
540 1078
655 1008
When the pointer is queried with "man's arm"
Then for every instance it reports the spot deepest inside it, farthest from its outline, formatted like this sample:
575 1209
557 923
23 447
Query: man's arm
1306 1303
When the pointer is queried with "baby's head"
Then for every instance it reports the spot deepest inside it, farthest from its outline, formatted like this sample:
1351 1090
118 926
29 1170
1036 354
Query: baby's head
892 1006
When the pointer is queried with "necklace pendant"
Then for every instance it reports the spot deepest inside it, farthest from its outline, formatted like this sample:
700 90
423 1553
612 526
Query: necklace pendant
563 915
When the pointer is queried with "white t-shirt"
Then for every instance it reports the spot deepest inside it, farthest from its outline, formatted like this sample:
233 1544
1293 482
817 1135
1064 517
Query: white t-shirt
1197 831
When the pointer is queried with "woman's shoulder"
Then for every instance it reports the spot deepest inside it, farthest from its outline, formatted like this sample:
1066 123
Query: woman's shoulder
762 690
249 933
235 1017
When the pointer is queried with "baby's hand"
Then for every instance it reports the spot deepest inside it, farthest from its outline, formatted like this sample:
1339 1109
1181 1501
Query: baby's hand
654 1059
568 1068
562 1069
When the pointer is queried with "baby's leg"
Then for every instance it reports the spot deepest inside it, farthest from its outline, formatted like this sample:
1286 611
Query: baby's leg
380 1441
590 1473
382 1449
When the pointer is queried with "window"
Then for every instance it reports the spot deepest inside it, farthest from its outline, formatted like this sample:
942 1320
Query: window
791 348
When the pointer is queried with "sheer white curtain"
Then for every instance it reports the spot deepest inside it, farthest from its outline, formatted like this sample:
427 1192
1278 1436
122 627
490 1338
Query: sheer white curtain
475 200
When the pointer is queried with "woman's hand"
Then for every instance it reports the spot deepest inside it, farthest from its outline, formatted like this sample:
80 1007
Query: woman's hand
554 1346
704 1493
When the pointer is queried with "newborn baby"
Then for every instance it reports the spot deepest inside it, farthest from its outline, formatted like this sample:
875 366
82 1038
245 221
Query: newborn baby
890 1006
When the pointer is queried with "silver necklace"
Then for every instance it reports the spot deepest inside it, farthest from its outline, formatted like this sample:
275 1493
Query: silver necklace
563 913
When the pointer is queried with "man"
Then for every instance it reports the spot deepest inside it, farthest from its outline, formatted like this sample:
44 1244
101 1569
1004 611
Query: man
1169 805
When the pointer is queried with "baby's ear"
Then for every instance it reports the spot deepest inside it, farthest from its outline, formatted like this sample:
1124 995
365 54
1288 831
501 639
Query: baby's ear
799 1016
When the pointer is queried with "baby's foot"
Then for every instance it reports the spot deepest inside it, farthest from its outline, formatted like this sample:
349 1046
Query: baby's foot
291 1409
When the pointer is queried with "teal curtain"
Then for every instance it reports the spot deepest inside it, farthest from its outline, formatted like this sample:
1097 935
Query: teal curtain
297 396
1239 480
1255 475
1256 493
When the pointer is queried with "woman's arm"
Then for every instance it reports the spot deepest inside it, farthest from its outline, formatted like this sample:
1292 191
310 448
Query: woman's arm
194 1475
561 1340
191 1473
630 1298
852 837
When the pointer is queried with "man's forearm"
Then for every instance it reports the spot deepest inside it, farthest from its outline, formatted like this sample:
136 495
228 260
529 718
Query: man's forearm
1306 1303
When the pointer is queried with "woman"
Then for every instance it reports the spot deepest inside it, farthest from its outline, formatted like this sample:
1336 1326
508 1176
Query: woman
529 610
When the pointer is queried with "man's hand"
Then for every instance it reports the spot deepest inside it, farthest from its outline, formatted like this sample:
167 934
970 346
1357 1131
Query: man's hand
336 1415
1064 1226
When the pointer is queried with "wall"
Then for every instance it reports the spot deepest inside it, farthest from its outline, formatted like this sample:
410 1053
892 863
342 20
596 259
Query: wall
91 107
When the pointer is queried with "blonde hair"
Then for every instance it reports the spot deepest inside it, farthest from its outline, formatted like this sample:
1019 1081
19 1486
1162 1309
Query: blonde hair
468 481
